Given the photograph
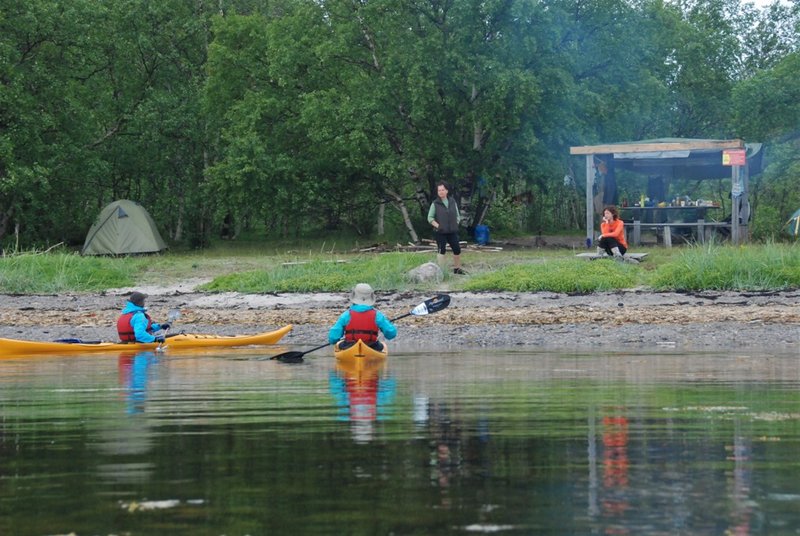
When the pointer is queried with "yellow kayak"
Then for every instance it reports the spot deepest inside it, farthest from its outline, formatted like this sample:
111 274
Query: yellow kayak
360 369
13 347
360 352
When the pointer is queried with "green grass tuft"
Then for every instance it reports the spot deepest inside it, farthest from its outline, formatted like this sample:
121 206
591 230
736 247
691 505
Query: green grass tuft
383 272
754 267
557 275
35 273
710 267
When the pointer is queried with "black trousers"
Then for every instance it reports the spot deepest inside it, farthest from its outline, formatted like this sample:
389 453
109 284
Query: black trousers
608 243
442 239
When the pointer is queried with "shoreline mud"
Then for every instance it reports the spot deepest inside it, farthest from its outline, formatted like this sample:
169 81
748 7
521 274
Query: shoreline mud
629 319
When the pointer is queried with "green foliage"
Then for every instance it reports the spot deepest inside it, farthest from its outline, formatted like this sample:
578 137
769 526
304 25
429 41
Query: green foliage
293 117
767 105
34 273
767 267
556 275
506 216
775 192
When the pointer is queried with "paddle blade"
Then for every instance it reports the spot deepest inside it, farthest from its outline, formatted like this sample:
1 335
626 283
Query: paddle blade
432 305
289 357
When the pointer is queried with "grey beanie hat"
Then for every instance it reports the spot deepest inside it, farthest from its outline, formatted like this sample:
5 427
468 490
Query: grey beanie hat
137 298
362 294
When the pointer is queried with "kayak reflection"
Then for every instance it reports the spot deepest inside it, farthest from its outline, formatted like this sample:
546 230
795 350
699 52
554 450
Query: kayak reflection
363 393
135 372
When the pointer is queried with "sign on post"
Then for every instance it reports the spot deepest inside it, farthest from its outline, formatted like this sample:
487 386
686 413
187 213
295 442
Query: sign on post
734 157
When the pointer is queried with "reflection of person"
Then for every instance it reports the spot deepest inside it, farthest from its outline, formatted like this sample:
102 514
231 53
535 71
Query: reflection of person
444 217
135 372
362 397
362 321
135 325
612 234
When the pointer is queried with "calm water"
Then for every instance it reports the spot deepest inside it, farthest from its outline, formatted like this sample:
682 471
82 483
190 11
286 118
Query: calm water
503 442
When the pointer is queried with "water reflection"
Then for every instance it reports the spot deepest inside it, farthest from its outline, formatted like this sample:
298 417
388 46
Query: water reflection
501 443
739 482
363 392
135 373
444 433
126 444
615 469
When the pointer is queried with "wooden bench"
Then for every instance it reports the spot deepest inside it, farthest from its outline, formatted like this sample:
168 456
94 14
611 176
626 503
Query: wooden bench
701 226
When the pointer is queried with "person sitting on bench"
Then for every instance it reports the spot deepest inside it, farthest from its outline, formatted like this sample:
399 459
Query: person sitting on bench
612 235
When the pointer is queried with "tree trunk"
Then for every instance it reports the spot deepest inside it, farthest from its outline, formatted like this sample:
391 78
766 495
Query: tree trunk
4 219
381 214
401 206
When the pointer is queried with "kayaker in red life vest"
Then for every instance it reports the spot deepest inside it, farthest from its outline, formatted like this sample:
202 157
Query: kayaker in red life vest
135 325
362 321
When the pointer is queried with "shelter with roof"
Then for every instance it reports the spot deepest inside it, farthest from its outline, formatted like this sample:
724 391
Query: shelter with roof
664 161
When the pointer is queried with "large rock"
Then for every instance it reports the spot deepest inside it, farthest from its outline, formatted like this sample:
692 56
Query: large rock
427 272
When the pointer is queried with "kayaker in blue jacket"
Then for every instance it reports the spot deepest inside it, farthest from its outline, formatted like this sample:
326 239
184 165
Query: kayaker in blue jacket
362 321
135 325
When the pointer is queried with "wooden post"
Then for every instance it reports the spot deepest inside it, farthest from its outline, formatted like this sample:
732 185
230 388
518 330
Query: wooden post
667 237
637 232
736 193
744 234
701 230
589 201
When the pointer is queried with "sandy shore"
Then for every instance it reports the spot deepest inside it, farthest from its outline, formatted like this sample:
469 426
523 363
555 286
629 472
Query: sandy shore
627 319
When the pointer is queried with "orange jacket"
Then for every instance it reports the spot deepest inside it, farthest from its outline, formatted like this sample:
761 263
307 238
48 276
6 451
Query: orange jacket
615 230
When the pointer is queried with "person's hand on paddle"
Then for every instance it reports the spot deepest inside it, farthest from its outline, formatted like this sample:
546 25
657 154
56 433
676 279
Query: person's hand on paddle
160 339
165 326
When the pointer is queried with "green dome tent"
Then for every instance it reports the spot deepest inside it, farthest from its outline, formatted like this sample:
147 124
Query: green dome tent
123 227
793 225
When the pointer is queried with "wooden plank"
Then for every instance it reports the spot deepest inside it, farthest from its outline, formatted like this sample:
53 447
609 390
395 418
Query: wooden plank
611 148
593 256
298 263
682 224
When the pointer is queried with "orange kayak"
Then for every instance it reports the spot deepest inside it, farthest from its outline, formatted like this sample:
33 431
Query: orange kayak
14 347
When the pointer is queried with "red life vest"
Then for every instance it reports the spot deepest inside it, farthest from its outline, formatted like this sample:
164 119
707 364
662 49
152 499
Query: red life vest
362 326
125 329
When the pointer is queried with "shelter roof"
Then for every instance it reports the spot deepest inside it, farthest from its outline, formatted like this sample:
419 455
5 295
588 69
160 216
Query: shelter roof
685 158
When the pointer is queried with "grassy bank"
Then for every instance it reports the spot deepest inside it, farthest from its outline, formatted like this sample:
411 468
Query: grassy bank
250 270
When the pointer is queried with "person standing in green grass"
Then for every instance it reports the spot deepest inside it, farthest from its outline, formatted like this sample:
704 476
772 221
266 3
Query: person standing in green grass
444 216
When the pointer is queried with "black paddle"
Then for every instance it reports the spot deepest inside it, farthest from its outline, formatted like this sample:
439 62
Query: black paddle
431 305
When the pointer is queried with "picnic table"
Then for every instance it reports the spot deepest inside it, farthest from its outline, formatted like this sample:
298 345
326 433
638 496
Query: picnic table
663 220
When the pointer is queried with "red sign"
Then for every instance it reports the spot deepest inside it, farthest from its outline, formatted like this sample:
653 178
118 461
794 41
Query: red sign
733 157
